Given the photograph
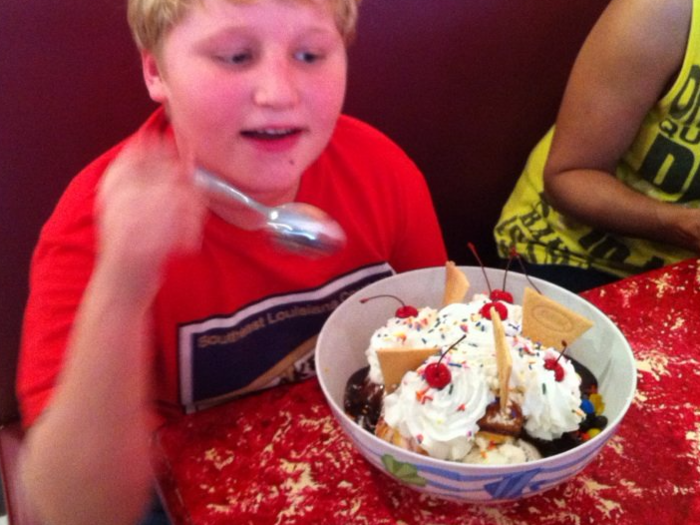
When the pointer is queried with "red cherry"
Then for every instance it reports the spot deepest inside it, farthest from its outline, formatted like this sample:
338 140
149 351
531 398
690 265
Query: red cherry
501 295
500 308
437 375
406 311
402 312
552 363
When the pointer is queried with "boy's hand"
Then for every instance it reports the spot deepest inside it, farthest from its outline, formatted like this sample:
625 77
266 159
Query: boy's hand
148 209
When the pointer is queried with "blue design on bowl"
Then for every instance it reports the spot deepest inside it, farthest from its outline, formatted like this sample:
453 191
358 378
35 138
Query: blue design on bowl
511 486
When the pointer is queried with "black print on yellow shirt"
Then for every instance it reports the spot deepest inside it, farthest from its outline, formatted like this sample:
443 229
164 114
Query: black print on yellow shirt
669 163
532 228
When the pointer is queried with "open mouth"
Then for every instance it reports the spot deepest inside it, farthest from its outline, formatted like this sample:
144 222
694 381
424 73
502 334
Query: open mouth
271 134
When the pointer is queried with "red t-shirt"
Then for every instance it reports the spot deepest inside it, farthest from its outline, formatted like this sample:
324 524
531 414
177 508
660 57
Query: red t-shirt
240 314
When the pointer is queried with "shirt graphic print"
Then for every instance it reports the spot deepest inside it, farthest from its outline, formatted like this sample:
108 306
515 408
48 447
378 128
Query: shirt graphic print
263 344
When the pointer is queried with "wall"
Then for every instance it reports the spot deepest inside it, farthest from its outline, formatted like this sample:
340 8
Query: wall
465 86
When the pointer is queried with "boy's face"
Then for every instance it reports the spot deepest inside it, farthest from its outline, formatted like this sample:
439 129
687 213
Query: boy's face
253 90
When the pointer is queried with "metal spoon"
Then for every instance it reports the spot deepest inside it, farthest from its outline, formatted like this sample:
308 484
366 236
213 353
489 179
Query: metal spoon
298 227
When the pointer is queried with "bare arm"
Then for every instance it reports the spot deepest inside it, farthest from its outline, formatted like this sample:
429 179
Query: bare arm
87 456
630 57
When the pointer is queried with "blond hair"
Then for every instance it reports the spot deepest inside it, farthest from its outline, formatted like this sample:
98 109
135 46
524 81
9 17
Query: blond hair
150 20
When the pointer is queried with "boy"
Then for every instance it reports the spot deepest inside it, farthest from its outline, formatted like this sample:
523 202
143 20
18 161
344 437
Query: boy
145 294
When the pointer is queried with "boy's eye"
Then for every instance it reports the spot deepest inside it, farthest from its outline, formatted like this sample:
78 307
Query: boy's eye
237 58
308 56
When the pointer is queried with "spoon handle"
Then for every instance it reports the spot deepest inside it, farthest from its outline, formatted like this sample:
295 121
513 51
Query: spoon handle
211 182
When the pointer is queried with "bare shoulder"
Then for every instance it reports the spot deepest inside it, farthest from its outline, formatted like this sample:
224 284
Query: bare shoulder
640 42
663 11
650 26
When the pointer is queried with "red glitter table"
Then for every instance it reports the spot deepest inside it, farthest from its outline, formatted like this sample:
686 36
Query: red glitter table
278 457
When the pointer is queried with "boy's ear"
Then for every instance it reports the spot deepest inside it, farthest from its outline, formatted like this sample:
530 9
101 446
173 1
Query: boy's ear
153 77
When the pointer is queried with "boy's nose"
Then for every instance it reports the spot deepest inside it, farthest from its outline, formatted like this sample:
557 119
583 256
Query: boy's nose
276 85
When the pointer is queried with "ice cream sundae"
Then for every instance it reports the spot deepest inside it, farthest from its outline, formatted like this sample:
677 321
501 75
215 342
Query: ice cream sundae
482 381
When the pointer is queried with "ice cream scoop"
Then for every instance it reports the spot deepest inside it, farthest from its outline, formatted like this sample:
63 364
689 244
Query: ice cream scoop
298 227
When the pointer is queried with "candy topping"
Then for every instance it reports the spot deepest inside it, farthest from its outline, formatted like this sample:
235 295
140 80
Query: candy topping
587 406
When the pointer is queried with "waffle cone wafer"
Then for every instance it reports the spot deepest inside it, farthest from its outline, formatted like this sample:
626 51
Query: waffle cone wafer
395 362
550 323
504 361
456 284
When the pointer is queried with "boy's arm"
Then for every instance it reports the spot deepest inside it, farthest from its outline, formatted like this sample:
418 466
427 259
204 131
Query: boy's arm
87 456
629 59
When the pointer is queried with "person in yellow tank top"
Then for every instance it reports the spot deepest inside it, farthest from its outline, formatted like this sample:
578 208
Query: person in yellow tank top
613 189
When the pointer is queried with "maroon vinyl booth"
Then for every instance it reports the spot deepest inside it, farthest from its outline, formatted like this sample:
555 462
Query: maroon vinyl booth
465 86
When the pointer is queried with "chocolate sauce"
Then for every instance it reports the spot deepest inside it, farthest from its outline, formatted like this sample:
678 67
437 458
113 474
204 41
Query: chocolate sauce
363 403
363 399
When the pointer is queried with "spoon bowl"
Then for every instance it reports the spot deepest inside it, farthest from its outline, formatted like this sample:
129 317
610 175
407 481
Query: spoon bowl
296 226
301 227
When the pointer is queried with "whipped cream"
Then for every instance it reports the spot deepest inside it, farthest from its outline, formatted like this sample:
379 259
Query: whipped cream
444 422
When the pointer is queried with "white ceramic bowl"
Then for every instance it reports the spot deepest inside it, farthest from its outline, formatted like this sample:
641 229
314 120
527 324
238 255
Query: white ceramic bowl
340 353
